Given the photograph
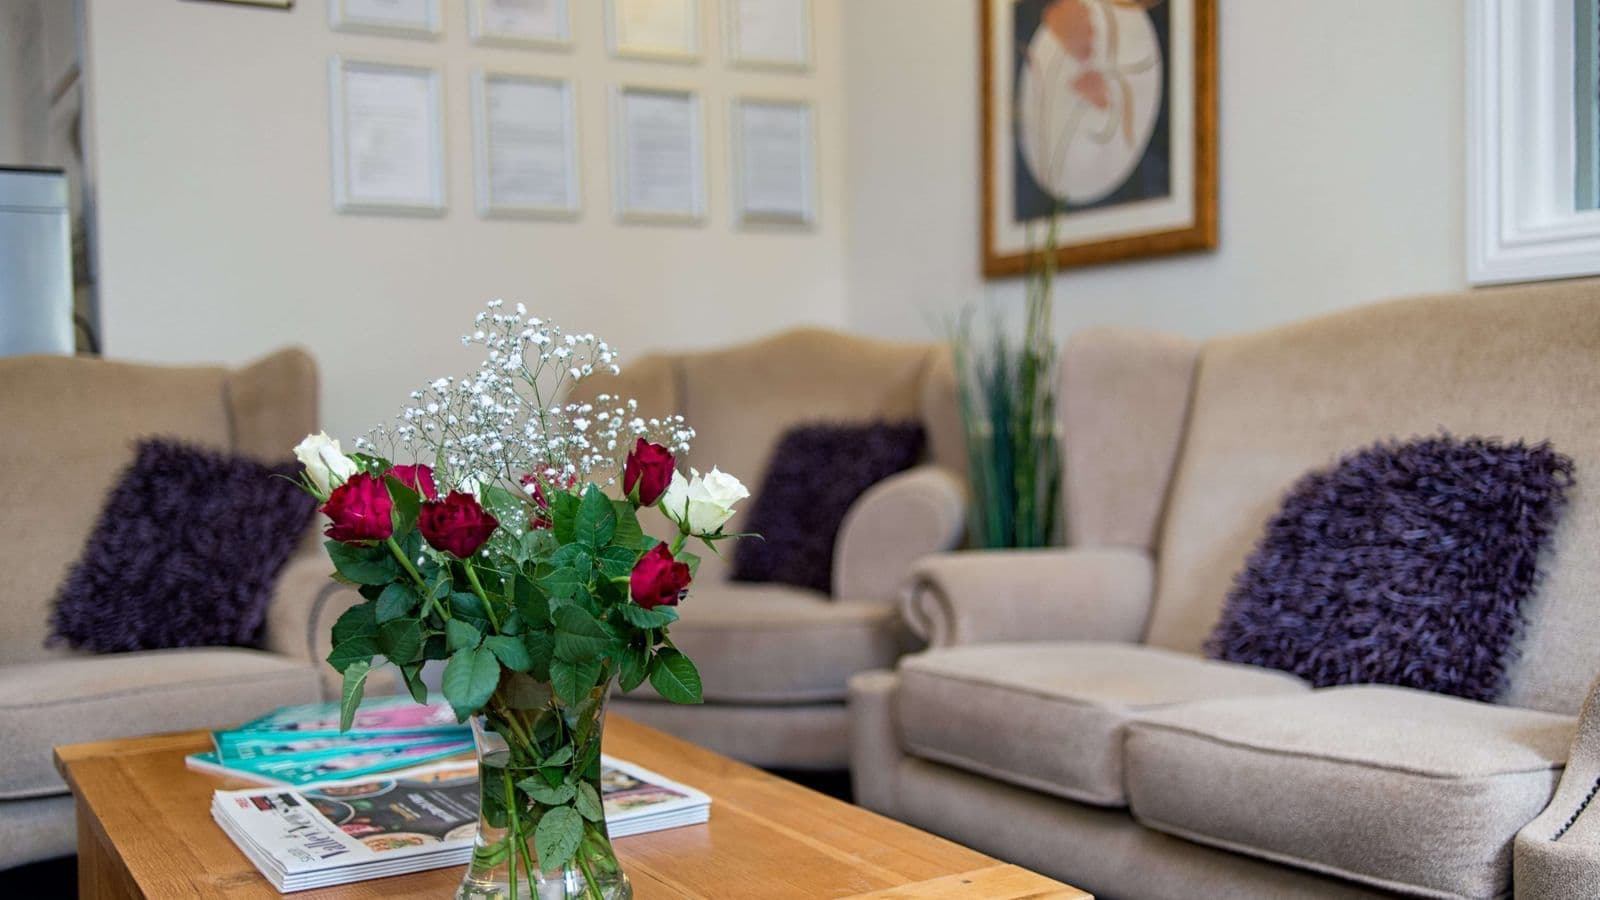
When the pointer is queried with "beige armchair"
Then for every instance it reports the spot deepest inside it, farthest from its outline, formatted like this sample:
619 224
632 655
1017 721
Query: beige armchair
775 659
70 429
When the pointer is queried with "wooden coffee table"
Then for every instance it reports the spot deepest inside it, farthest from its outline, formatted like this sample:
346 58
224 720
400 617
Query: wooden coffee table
145 830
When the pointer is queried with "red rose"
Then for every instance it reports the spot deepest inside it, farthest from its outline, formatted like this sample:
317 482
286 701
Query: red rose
540 519
418 477
457 524
647 471
359 510
658 579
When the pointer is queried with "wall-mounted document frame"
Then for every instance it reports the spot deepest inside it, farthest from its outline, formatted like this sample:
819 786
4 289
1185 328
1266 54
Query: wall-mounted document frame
526 193
535 24
398 103
774 162
648 189
659 30
768 34
394 18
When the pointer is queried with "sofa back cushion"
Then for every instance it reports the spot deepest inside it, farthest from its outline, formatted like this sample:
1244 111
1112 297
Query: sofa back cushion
70 429
1268 407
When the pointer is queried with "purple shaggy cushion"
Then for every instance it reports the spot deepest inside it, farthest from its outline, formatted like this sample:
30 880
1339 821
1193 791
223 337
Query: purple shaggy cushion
1405 564
816 473
185 553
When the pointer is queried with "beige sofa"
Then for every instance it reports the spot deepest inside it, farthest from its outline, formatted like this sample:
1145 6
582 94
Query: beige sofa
1065 719
775 659
70 426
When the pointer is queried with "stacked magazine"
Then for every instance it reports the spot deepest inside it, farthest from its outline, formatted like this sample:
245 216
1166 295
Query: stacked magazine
421 818
302 745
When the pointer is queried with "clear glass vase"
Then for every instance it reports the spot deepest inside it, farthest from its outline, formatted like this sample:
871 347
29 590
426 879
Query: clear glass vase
539 767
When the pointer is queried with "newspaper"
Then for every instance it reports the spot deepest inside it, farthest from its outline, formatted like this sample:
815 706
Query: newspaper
408 821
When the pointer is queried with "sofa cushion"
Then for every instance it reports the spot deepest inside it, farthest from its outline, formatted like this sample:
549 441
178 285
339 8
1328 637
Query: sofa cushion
1393 787
64 701
777 644
1061 707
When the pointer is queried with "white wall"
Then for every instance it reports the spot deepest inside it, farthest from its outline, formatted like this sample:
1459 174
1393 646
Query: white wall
218 242
1341 139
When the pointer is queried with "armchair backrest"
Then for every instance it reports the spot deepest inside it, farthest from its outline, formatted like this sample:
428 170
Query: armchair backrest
70 428
741 400
1516 363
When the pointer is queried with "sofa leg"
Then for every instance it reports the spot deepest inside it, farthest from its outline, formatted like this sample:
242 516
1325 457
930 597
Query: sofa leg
874 741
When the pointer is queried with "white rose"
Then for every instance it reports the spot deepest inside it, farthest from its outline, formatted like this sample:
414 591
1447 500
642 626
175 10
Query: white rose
702 504
326 465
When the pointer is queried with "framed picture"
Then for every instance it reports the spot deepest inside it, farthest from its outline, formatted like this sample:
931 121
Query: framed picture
397 18
768 33
526 142
1100 114
774 162
663 30
521 23
658 147
388 138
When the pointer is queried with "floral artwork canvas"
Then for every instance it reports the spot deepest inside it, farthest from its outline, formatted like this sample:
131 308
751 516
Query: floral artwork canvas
1100 121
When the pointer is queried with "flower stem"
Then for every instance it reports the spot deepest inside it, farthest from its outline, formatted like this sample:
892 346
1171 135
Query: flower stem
417 577
477 588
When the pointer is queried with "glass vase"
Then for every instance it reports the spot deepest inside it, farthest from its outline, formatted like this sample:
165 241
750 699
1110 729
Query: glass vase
539 765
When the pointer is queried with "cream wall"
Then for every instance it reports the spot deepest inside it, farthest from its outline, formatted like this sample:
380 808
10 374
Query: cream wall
218 240
1341 141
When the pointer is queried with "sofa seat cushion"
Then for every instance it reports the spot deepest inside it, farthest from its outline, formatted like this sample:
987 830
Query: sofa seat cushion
779 644
1050 716
88 698
1397 788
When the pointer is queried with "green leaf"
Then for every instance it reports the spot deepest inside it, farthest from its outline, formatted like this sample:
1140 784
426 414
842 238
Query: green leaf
563 516
363 565
355 682
357 621
544 793
628 533
537 543
396 602
400 640
531 602
597 521
413 677
617 561
556 837
469 680
466 605
573 681
587 802
579 636
406 504
563 583
541 649
675 678
632 667
638 616
690 560
462 635
574 556
357 649
510 651
557 756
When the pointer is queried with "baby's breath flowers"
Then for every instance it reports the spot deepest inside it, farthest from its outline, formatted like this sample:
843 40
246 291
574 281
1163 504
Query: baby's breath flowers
508 419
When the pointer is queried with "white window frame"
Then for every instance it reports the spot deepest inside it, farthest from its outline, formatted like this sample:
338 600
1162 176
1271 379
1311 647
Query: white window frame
1522 220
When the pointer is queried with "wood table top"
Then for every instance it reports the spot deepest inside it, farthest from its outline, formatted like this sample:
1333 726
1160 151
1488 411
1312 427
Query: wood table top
768 838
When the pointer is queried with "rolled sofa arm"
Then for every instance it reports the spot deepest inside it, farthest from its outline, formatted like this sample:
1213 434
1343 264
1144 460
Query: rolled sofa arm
896 522
1092 593
305 604
1558 853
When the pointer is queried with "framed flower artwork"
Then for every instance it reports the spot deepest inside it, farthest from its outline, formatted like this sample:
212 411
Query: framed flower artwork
1101 114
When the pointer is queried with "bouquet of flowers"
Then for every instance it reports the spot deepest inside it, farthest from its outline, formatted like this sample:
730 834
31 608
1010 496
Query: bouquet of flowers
499 547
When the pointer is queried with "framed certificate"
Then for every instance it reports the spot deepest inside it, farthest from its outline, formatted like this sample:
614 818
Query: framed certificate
522 23
388 138
526 144
769 33
774 162
665 30
659 155
399 18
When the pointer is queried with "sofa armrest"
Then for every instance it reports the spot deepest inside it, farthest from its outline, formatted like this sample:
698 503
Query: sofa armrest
895 523
1091 594
1558 853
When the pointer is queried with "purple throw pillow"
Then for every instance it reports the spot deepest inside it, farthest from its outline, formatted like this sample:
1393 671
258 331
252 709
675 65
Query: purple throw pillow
817 471
185 553
1404 564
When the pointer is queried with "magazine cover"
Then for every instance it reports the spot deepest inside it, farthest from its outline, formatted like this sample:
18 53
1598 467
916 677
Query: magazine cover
251 745
337 765
380 715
